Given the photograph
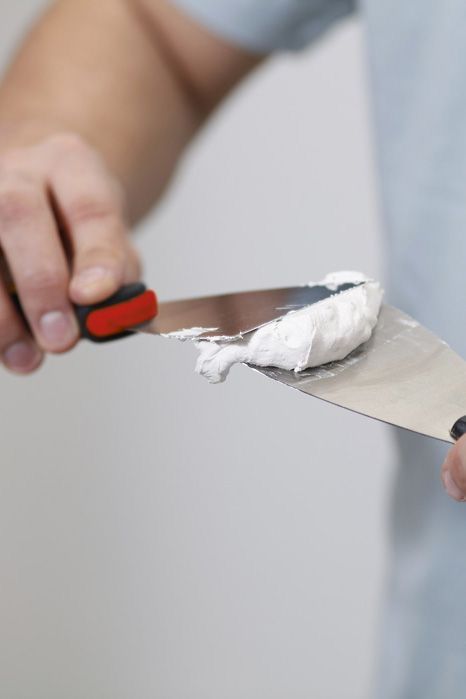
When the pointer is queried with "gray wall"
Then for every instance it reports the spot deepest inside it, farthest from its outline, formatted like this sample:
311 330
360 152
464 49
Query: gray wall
161 537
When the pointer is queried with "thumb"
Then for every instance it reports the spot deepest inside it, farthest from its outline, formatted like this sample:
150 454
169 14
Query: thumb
454 471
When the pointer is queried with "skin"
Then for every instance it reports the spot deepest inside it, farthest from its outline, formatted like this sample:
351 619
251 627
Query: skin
95 112
453 471
86 149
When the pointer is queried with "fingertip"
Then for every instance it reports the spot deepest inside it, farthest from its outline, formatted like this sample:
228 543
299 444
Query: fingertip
22 357
58 331
452 489
453 472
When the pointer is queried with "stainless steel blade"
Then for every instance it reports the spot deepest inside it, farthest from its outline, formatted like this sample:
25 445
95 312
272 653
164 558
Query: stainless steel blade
404 375
233 315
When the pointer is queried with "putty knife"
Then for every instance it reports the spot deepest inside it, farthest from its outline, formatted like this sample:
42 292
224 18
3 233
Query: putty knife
229 316
134 308
404 375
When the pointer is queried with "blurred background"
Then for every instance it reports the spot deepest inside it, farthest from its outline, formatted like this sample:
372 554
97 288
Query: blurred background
161 537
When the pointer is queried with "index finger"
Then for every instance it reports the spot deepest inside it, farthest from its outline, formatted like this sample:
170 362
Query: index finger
91 211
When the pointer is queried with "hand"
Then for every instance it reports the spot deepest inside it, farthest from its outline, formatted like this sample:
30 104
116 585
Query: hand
454 471
64 240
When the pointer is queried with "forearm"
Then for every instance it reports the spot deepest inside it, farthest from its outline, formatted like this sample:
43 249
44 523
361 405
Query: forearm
95 69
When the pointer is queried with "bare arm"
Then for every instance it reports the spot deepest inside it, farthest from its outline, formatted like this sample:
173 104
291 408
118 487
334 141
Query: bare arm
94 113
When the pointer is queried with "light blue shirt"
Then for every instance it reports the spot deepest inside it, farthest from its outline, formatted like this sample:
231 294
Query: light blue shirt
268 25
417 54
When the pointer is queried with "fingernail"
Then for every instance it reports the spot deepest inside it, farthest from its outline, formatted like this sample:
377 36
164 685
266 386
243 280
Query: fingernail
451 487
21 356
58 329
92 279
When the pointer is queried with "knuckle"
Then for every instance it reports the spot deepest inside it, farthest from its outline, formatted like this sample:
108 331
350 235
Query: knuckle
69 142
69 147
43 281
18 200
87 207
11 160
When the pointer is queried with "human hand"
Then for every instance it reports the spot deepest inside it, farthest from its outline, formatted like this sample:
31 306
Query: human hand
64 241
454 471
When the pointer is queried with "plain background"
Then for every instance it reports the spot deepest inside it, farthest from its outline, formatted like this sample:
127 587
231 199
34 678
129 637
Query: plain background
161 537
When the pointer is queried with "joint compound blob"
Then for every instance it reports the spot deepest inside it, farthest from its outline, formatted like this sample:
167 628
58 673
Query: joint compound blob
326 331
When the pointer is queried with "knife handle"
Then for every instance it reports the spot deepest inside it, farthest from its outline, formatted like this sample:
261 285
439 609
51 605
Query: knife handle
108 320
459 428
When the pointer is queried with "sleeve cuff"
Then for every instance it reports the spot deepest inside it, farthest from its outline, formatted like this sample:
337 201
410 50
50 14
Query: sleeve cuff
284 25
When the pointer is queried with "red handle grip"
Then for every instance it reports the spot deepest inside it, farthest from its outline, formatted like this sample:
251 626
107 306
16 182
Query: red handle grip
132 305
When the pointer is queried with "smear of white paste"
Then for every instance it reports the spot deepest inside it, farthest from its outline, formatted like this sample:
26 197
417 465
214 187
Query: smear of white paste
188 333
324 332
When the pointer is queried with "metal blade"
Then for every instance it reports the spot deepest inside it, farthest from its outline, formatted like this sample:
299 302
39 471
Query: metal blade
231 315
404 375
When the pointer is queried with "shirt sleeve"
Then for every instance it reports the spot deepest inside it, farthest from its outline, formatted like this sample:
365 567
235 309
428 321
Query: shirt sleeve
267 25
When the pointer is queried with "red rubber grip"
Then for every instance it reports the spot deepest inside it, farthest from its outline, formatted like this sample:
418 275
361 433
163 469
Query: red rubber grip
114 319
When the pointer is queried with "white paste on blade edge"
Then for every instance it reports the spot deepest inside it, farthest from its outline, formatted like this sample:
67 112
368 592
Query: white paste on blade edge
187 333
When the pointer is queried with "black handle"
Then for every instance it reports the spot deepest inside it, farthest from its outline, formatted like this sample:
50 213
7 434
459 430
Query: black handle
459 428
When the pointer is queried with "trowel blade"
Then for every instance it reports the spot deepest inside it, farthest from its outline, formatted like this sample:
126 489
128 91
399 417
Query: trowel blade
232 315
404 375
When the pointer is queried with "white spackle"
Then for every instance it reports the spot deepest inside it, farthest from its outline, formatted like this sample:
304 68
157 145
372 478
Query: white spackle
188 333
324 332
